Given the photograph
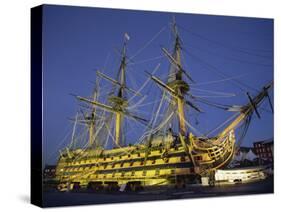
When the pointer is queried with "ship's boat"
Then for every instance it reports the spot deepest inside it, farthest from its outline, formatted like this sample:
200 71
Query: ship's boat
171 157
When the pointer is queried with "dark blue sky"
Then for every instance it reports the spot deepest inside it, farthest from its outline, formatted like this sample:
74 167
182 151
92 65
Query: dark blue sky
78 40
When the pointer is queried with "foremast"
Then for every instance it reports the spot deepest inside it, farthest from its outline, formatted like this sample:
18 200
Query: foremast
118 103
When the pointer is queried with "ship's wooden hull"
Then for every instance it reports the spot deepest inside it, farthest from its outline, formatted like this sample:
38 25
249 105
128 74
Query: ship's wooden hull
137 166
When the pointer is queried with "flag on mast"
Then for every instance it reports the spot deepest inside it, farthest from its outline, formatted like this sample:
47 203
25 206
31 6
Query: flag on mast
127 37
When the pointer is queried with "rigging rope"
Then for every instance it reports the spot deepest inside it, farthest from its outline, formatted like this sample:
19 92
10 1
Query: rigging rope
145 83
217 81
245 130
236 59
193 128
221 74
222 96
227 46
214 104
221 125
66 133
146 60
149 42
213 92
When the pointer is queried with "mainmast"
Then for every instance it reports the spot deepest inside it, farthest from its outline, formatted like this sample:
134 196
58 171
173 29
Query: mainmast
178 81
176 86
120 101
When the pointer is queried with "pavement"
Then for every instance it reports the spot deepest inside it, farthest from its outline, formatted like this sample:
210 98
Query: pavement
55 198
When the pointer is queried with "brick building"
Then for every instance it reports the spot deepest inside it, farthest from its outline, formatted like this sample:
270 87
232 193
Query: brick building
264 149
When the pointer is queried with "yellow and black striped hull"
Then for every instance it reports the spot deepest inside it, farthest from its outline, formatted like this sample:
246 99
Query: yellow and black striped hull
135 165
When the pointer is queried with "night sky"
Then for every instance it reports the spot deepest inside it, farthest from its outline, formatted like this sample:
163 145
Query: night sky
77 41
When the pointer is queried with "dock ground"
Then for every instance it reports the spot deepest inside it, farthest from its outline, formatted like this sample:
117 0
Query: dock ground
55 198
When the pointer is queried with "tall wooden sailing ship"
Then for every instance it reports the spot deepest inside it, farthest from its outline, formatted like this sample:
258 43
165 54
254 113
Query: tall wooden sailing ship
173 157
